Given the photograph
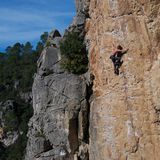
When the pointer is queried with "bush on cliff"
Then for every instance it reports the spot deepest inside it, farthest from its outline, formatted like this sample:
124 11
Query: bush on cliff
74 55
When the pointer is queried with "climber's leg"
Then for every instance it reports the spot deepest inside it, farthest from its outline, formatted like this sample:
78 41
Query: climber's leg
116 71
120 63
116 68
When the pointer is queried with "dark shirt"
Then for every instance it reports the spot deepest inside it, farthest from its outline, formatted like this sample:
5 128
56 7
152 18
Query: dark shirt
119 53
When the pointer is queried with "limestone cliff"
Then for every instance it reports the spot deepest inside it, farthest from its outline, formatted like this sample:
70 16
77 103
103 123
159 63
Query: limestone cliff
125 111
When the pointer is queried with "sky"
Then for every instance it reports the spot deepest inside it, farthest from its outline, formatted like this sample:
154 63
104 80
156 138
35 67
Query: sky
26 20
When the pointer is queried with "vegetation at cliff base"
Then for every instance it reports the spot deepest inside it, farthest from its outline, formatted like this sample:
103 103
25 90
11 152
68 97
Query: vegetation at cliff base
17 120
74 55
17 67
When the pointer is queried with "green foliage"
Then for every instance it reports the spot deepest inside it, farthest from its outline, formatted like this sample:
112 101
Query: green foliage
39 47
27 49
23 112
44 37
16 151
14 53
74 54
18 65
11 121
43 40
17 119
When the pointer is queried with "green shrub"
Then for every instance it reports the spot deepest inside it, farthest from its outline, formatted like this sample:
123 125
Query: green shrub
18 63
11 121
17 119
74 55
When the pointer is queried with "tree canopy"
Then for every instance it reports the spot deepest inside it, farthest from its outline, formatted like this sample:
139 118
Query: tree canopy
17 68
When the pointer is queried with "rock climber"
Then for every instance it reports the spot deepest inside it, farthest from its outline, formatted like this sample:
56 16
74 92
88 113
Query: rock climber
116 58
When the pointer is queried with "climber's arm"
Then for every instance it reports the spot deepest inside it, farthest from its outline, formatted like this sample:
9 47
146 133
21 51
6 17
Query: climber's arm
114 53
125 51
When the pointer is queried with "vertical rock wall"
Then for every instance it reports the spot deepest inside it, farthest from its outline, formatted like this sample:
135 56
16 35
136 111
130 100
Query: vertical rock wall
125 111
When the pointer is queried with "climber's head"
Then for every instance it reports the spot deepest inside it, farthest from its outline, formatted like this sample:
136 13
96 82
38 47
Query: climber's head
119 47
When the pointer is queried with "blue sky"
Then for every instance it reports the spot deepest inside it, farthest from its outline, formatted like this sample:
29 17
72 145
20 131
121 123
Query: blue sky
26 20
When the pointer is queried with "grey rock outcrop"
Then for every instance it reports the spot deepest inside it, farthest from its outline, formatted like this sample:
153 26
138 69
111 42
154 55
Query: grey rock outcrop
78 24
48 61
82 6
59 127
54 38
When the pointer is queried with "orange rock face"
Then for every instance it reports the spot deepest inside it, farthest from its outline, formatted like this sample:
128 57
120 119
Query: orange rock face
125 111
